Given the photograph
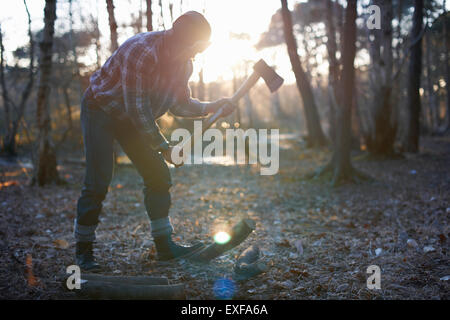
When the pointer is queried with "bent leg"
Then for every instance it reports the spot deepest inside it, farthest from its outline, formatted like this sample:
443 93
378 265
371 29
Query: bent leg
98 146
154 172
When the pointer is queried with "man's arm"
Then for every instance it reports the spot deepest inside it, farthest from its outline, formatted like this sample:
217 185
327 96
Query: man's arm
185 105
137 87
188 107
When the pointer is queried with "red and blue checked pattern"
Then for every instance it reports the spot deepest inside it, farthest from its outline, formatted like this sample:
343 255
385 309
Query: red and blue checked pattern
142 81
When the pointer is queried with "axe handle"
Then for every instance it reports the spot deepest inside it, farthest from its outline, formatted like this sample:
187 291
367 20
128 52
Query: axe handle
208 122
243 89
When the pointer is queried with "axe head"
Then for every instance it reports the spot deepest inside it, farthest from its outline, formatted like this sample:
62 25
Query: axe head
271 78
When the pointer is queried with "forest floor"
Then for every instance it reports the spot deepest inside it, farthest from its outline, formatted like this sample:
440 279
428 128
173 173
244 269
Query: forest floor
317 240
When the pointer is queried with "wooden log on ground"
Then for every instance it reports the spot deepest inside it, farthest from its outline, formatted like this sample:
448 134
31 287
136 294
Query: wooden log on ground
237 235
118 291
249 255
247 265
247 271
144 280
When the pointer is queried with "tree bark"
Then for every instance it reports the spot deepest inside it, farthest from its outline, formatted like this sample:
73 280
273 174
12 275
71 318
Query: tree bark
413 87
380 138
316 137
333 69
149 15
340 166
447 68
45 171
112 25
341 155
432 108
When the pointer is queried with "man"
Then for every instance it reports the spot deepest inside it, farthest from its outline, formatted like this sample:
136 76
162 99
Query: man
144 78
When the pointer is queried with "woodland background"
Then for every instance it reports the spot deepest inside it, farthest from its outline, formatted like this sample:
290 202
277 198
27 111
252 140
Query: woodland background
364 160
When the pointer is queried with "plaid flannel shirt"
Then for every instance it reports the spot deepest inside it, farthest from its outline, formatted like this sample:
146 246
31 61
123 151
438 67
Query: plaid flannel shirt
141 81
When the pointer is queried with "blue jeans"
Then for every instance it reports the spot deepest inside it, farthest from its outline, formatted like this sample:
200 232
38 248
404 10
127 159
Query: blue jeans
99 131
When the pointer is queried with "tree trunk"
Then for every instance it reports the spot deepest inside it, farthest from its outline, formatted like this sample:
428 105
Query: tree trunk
333 69
45 171
447 69
162 22
114 46
315 134
149 16
380 138
341 155
112 25
413 86
340 166
432 108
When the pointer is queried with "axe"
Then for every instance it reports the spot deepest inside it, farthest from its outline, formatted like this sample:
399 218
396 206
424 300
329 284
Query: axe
260 70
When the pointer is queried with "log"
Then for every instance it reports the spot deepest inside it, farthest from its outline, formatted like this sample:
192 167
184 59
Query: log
144 280
247 265
238 234
118 291
248 256
247 271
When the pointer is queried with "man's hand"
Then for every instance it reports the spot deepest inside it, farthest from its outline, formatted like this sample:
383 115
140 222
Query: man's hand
213 107
174 155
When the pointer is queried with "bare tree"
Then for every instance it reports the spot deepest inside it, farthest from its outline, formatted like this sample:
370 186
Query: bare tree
149 15
315 134
45 171
413 84
380 138
13 123
340 166
447 69
112 25
333 66
96 36
432 108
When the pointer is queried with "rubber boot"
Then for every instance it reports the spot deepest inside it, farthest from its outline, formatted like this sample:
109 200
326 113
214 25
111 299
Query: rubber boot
85 257
168 250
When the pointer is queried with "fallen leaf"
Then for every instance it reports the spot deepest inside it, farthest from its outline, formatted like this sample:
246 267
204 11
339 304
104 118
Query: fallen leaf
31 279
61 243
